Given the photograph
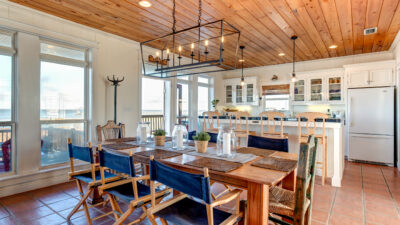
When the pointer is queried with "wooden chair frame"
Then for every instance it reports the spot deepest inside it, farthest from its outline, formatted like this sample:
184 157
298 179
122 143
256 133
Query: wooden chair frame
304 185
94 167
210 121
102 131
233 195
120 217
237 124
311 119
271 124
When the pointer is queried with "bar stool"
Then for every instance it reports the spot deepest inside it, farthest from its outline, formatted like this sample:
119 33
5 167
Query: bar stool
210 121
311 118
271 124
240 119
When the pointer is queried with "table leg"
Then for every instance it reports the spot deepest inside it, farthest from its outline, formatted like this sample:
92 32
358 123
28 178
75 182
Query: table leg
289 182
95 197
257 204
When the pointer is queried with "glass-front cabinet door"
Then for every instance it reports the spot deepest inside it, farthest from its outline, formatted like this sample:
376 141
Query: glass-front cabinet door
299 91
228 93
239 94
316 89
250 93
335 89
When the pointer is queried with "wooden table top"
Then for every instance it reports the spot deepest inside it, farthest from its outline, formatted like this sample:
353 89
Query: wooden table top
238 177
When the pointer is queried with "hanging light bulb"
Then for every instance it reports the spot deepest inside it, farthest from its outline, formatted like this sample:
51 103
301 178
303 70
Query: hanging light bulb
242 83
294 37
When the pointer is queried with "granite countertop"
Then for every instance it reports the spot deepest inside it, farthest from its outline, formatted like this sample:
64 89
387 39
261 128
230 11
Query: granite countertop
330 120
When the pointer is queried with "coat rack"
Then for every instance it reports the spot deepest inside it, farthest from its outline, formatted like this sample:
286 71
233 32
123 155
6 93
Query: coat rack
115 83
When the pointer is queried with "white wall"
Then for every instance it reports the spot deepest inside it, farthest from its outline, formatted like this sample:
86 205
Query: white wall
111 55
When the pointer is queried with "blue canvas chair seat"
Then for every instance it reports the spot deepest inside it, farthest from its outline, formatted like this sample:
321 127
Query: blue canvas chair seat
87 177
182 209
276 144
125 191
188 211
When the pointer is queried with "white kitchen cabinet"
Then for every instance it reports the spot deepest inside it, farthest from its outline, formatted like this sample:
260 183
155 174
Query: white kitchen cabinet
375 74
318 87
235 94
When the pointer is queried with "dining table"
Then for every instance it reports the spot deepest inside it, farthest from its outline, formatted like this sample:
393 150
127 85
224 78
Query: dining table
256 180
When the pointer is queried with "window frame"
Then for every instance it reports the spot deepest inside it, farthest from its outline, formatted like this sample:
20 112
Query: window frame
210 86
76 63
13 54
189 83
277 99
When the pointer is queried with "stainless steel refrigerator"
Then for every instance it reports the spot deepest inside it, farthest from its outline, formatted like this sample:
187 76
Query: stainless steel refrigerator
371 119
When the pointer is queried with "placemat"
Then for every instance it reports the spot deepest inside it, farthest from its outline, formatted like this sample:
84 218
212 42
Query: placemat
214 164
272 163
256 151
238 157
144 157
127 139
119 146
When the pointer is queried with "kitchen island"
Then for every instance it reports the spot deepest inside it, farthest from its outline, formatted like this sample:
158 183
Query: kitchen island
335 140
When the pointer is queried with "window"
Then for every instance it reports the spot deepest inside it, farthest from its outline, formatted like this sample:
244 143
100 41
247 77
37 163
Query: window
63 100
153 102
6 103
277 102
182 100
205 94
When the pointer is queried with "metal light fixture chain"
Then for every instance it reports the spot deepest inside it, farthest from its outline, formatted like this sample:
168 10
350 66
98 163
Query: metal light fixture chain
173 17
200 9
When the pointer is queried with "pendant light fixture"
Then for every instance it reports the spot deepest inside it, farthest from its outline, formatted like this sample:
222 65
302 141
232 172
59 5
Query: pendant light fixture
294 37
242 83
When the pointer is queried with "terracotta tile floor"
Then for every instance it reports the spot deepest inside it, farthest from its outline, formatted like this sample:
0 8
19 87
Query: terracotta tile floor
370 195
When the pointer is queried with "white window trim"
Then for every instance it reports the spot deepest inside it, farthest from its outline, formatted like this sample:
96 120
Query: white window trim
77 63
265 99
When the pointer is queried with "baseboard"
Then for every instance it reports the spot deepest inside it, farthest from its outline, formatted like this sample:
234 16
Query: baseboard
19 184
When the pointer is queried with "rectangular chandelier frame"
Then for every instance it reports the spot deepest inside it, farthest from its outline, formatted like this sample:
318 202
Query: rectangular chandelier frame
209 44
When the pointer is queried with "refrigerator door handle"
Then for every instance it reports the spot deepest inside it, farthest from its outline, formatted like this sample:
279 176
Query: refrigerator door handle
371 136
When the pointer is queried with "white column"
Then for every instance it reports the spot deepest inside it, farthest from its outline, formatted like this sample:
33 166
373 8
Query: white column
337 158
194 105
28 103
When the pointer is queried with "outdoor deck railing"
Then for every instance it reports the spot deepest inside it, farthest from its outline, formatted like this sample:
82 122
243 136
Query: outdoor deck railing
157 121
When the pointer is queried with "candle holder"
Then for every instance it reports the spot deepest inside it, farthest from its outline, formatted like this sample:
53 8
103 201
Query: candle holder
192 55
179 137
226 142
142 132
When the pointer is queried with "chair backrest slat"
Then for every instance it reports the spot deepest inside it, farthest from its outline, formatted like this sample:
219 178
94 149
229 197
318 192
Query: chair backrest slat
271 122
195 185
237 119
305 180
118 162
211 116
277 144
311 118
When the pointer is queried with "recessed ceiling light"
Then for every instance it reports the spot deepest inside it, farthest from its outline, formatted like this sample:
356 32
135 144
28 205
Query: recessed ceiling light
145 3
241 60
333 46
281 54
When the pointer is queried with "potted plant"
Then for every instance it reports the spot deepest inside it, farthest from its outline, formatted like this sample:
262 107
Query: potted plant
159 137
201 141
215 103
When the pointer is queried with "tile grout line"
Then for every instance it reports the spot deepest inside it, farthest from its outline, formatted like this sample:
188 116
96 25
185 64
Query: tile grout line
363 195
10 214
331 209
391 194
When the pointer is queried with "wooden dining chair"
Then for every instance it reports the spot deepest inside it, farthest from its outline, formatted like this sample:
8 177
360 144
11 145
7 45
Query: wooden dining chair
276 144
311 127
296 206
132 189
273 118
110 131
182 209
237 120
90 176
208 123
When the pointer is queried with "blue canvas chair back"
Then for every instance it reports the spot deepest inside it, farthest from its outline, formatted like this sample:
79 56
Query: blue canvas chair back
213 136
118 162
277 144
195 185
81 153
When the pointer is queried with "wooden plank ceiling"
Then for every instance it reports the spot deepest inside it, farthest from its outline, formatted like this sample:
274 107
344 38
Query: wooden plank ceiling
266 25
